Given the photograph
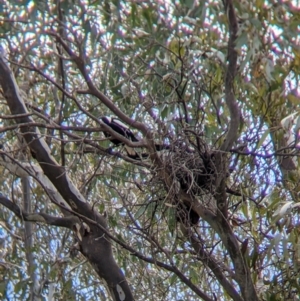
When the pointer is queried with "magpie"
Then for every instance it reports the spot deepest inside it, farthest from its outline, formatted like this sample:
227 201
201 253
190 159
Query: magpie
122 129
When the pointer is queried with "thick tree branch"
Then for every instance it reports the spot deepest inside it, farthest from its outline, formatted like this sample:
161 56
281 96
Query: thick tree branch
24 169
208 260
243 276
171 268
229 79
28 237
94 244
66 222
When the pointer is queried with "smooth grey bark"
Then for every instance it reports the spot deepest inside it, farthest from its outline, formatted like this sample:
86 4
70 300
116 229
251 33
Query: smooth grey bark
28 237
93 243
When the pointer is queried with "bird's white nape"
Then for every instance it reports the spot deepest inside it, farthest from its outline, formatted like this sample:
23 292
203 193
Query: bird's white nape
119 123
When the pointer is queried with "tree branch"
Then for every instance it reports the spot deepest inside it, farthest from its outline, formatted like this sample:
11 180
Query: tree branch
66 222
24 169
103 127
95 244
79 61
208 260
243 276
229 79
171 268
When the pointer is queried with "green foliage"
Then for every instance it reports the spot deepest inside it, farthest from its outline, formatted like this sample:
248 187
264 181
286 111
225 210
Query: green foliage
172 55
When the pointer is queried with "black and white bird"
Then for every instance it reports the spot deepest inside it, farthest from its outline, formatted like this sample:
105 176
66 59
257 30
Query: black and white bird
122 129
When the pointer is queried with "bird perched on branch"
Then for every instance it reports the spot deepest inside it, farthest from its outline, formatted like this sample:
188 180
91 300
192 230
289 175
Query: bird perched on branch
122 129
